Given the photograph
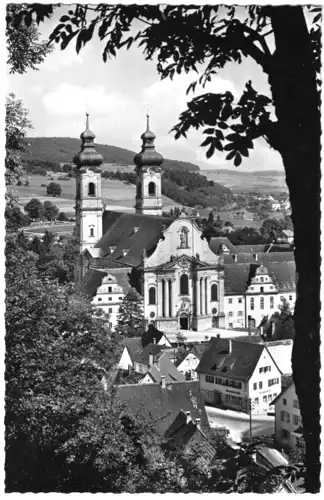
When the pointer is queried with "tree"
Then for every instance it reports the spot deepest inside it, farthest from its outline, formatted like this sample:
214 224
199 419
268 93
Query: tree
15 218
25 50
130 318
246 236
211 218
34 209
53 189
17 126
62 217
284 322
50 211
205 39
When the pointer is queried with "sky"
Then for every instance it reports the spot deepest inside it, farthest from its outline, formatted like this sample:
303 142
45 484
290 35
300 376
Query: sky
116 95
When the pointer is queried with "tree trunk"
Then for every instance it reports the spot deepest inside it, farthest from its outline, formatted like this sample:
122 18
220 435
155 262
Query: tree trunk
293 84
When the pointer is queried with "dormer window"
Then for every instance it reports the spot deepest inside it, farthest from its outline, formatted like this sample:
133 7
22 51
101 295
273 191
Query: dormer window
112 249
183 235
125 251
136 228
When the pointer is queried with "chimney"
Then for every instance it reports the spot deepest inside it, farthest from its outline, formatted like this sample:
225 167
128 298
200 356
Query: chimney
235 257
163 381
151 359
125 251
198 423
154 340
188 417
229 347
256 257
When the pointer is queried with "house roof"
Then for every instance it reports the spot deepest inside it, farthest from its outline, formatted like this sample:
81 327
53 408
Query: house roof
238 364
151 334
251 248
263 258
282 355
165 367
160 406
134 347
93 279
215 244
272 456
198 350
288 232
118 231
237 276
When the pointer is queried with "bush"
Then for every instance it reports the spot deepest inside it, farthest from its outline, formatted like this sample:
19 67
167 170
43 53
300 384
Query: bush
43 185
62 216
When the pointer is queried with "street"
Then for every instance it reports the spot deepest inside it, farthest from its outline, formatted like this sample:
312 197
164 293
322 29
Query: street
238 423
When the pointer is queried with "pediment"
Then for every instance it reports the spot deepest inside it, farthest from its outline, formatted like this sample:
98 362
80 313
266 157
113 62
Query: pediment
185 262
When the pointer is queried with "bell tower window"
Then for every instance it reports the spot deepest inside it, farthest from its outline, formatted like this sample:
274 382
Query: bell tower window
151 189
183 237
91 189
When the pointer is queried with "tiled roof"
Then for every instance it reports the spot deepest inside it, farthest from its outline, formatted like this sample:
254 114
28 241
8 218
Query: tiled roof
165 367
299 430
118 231
144 355
239 364
198 350
237 276
151 334
161 405
93 278
251 248
134 347
216 242
263 258
271 456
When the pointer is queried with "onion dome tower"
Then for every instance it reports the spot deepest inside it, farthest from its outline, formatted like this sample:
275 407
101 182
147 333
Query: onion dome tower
149 176
89 205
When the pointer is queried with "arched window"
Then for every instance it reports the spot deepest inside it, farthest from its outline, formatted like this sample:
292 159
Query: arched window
151 189
91 231
184 284
261 302
183 237
214 295
91 189
152 295
251 303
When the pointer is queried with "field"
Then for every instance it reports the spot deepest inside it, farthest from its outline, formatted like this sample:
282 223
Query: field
271 181
116 194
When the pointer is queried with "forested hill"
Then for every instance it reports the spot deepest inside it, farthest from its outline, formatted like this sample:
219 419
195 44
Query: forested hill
62 149
182 181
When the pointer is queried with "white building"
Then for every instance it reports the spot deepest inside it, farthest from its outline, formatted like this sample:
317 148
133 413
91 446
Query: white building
289 427
232 371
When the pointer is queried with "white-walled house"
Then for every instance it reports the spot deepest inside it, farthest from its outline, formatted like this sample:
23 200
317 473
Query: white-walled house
288 422
189 364
232 371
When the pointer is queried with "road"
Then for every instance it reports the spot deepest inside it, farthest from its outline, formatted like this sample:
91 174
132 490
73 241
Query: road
238 423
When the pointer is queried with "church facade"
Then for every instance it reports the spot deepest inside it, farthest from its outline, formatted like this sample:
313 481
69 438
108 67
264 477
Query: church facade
165 259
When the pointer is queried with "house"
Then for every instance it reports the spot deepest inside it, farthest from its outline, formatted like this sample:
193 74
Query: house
186 435
154 336
189 363
138 358
288 423
287 236
160 404
231 372
281 352
163 367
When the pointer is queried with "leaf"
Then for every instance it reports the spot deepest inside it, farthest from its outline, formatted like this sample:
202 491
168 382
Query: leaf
209 131
64 19
210 151
222 125
207 141
237 159
230 155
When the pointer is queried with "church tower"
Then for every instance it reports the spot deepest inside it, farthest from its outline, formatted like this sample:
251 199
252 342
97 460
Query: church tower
149 176
89 206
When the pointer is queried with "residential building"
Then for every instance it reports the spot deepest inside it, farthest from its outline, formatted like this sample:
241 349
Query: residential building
288 422
189 363
231 371
162 367
287 236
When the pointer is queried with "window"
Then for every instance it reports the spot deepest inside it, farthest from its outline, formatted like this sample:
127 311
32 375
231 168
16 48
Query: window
260 385
296 419
209 379
214 294
151 189
183 234
99 299
110 309
261 289
230 325
240 301
290 297
285 434
285 416
270 397
230 313
262 303
271 302
109 298
251 303
295 403
152 295
91 189
255 386
91 231
240 313
120 298
184 284
256 401
285 402
230 301
273 381
109 289
261 279
264 399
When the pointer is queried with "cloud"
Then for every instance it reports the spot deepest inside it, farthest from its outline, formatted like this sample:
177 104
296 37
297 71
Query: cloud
59 59
70 100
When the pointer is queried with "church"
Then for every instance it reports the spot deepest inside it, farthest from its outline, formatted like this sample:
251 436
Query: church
166 260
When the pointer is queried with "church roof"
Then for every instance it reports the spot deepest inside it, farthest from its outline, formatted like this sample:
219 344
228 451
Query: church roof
148 156
237 276
216 243
262 257
119 234
93 279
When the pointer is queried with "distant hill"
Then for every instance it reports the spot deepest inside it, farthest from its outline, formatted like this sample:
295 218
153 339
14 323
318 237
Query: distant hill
182 181
62 149
262 181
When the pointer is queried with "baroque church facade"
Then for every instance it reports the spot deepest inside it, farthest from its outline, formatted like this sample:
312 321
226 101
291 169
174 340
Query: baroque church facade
167 260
